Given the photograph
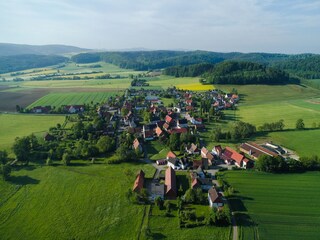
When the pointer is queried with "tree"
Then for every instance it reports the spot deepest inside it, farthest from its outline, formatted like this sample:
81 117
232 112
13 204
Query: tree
5 171
66 159
3 157
105 144
49 161
174 141
159 202
190 196
300 124
22 149
268 163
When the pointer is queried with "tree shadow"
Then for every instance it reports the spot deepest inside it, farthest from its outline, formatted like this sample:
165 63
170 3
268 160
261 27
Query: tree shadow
244 220
158 236
24 167
23 180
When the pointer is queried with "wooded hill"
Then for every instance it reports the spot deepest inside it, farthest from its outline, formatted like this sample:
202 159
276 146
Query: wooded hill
301 65
10 49
22 62
232 72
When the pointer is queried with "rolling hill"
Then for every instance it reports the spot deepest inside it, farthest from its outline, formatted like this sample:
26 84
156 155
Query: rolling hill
9 49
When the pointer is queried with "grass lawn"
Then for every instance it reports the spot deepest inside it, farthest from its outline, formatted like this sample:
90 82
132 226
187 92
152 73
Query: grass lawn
276 206
163 227
59 99
167 101
76 202
156 150
18 125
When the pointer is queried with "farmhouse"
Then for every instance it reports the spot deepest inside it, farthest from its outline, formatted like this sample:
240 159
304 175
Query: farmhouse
215 198
170 184
231 156
138 183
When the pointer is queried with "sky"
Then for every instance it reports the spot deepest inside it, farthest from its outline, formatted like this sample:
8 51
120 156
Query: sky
282 26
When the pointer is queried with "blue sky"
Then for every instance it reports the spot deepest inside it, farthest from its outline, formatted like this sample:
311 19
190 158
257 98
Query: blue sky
216 25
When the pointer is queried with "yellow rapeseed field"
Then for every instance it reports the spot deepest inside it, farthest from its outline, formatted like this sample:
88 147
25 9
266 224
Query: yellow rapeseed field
195 87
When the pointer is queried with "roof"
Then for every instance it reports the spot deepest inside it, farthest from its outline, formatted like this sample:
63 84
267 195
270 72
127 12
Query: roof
171 155
178 130
209 156
148 134
256 150
218 148
235 155
168 119
193 147
204 152
138 183
214 195
166 126
136 143
195 183
170 180
183 121
158 131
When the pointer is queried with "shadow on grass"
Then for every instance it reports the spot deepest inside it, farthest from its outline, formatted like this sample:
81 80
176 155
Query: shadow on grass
244 220
158 236
23 180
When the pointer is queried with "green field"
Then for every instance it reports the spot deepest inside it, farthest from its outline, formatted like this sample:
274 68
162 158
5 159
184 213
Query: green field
266 104
276 206
18 125
76 202
78 98
305 143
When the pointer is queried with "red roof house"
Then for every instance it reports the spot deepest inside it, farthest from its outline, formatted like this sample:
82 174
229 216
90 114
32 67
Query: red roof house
138 183
170 184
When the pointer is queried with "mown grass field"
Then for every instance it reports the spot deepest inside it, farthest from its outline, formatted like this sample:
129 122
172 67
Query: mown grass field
276 206
18 125
76 202
115 84
59 99
305 143
266 104
79 70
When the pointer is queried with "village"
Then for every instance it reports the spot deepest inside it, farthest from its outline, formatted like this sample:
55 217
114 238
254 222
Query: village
139 118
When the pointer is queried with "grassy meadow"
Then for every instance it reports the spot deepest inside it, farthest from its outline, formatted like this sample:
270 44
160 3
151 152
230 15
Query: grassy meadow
59 99
18 125
266 104
276 206
75 202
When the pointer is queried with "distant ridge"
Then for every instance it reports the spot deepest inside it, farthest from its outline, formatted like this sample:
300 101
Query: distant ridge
10 49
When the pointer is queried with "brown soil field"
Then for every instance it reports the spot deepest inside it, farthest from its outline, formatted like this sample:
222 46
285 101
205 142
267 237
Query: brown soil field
24 97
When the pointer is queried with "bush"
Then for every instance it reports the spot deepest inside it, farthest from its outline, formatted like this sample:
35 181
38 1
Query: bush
5 171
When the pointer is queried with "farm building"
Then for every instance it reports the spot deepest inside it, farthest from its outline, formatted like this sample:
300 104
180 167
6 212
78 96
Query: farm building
255 151
170 184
